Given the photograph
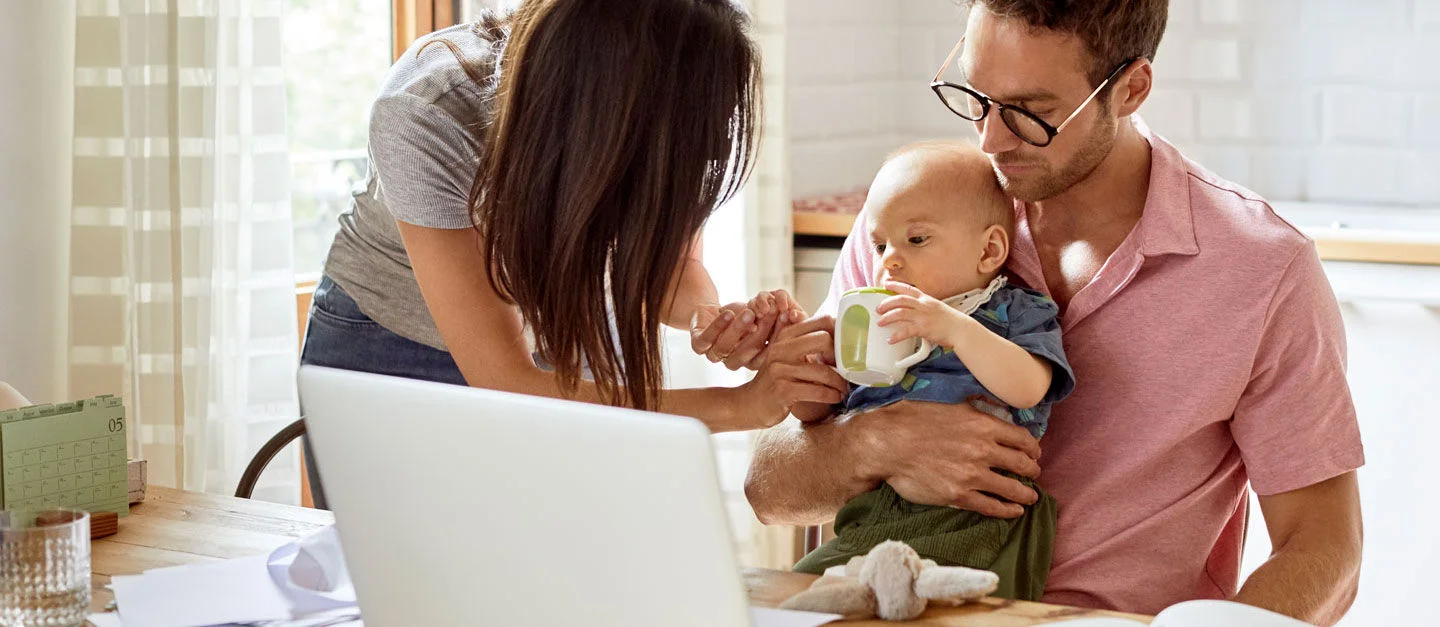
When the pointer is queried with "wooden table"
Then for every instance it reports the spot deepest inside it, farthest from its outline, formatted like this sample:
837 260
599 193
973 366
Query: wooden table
769 587
172 528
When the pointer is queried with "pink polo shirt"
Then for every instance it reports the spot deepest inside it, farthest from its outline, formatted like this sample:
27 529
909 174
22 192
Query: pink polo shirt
1208 352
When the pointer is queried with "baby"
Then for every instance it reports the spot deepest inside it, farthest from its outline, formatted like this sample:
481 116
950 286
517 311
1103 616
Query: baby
940 230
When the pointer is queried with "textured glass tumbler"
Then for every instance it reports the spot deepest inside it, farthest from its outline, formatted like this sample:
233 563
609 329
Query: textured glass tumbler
44 568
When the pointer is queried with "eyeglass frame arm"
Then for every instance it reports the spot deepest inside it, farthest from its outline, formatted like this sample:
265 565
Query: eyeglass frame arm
1123 66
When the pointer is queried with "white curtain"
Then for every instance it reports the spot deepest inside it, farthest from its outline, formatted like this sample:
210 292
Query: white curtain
182 293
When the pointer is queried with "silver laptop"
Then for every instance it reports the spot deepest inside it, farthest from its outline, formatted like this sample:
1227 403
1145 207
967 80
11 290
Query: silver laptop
459 506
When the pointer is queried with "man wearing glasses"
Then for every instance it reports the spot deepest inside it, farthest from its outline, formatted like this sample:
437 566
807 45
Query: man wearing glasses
1207 345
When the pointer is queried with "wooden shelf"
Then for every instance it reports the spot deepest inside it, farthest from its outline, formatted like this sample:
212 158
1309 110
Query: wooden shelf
1376 246
827 224
1333 245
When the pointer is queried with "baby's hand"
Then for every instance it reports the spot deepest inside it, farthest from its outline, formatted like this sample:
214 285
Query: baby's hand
741 339
912 313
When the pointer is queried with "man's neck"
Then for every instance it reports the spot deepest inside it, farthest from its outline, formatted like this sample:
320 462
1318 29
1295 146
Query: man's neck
1112 196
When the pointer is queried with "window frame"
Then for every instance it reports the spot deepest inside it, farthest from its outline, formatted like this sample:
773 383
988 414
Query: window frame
411 19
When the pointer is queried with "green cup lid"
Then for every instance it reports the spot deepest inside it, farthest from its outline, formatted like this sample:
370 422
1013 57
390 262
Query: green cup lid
869 290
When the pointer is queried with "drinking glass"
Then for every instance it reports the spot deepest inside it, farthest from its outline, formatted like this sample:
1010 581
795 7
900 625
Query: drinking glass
44 568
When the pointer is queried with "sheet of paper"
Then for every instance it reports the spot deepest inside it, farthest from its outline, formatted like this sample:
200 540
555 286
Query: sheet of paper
311 573
107 619
233 591
344 617
770 617
1217 612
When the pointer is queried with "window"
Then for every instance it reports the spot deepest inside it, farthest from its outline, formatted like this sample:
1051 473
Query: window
335 58
466 10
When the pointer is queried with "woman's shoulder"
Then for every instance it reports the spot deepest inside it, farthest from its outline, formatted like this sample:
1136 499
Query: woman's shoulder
442 68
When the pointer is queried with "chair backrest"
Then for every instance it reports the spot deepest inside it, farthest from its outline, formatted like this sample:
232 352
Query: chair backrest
272 447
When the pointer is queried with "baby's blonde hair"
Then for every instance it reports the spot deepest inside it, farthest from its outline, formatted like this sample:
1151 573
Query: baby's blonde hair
961 170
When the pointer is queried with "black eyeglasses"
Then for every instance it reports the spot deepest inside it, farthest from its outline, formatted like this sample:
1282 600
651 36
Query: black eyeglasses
974 106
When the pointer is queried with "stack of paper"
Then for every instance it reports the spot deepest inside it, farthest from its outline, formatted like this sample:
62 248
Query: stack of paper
302 584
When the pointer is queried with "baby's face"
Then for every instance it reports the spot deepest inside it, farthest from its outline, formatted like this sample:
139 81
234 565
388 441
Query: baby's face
931 243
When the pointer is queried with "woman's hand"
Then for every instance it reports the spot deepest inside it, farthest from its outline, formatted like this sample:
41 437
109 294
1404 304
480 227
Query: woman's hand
794 371
912 313
739 334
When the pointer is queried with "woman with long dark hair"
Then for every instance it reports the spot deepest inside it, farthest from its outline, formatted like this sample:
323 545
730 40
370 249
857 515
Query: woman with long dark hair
537 187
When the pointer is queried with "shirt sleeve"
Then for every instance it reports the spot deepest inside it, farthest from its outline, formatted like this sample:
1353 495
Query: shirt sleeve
425 161
1295 422
854 268
1035 327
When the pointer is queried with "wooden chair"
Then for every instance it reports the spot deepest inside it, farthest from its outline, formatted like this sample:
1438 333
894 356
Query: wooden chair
267 452
812 538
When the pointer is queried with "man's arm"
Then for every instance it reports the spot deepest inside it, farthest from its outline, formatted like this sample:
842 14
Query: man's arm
931 453
1314 569
1298 434
802 473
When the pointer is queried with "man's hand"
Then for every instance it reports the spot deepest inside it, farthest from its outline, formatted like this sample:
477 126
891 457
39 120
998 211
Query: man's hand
939 454
931 453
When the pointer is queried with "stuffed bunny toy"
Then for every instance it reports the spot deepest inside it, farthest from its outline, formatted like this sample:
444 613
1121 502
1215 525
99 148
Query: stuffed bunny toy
893 583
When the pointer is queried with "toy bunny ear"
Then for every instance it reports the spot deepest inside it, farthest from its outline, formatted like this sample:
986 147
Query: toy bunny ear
848 569
845 596
955 584
890 570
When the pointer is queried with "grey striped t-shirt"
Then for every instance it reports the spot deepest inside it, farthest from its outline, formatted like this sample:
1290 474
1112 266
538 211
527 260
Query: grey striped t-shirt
423 158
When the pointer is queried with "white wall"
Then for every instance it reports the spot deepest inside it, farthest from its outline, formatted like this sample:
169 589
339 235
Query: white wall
37 43
1394 367
858 75
1307 100
1392 323
1300 100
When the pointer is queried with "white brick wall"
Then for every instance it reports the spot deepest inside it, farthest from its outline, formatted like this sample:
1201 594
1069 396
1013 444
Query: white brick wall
1427 15
857 73
1425 129
1300 100
1306 100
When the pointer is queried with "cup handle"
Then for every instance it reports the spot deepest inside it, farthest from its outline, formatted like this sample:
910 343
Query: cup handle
919 356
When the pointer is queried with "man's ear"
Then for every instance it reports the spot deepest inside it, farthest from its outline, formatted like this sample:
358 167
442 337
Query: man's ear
995 250
1133 87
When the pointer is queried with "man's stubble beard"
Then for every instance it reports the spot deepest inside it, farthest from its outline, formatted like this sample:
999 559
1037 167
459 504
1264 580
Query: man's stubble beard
1049 184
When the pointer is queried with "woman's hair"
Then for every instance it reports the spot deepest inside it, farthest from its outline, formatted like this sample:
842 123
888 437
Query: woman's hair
619 127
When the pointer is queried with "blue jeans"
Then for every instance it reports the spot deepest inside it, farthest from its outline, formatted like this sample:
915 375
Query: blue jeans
339 335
